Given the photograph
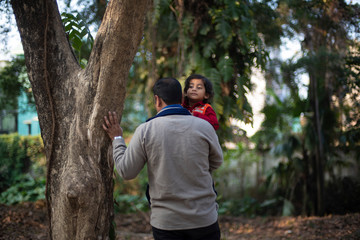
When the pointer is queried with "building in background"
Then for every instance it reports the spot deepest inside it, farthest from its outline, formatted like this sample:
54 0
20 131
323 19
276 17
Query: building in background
27 120
23 120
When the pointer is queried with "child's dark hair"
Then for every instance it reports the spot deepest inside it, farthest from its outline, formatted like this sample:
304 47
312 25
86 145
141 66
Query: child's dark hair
169 90
208 87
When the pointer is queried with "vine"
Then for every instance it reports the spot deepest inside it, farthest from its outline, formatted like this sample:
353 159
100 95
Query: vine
47 84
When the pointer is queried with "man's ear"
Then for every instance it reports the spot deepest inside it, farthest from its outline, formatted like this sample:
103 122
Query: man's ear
157 101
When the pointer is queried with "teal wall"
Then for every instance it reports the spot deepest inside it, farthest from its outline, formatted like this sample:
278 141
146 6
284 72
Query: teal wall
7 122
27 116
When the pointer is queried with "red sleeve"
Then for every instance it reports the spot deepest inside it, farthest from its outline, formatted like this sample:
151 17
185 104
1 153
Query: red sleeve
209 116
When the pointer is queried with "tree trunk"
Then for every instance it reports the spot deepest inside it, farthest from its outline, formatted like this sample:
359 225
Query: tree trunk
179 13
319 154
71 103
153 74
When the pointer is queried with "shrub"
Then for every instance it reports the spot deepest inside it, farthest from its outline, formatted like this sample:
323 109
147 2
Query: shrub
342 196
127 203
19 155
26 188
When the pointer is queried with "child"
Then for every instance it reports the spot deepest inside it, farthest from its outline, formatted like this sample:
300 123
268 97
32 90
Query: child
198 92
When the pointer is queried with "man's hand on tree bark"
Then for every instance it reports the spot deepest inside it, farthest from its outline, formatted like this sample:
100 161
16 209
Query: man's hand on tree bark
112 126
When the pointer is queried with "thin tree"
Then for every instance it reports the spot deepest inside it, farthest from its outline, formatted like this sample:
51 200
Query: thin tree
71 103
326 27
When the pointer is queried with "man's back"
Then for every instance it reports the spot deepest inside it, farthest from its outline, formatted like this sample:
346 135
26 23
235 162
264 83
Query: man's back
180 151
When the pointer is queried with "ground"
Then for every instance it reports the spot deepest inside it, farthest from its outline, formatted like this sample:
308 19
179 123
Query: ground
29 221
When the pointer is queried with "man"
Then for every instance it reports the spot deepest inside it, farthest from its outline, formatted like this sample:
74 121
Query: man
180 151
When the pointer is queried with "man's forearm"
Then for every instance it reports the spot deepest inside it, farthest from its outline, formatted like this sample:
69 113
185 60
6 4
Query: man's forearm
119 149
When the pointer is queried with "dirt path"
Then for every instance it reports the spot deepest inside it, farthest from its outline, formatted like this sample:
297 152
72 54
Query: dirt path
28 221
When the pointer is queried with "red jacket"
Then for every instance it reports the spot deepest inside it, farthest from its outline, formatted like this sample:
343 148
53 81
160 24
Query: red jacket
204 111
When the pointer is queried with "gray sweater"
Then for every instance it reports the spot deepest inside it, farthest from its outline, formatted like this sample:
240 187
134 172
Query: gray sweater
180 153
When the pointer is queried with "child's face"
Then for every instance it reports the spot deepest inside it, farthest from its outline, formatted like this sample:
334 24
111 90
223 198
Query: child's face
196 91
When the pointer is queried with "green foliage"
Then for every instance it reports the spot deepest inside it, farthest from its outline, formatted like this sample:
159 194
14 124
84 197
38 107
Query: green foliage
16 157
112 231
13 160
14 81
22 168
277 206
222 40
133 113
251 207
219 40
237 171
129 196
92 13
342 196
246 206
314 149
24 189
79 36
126 203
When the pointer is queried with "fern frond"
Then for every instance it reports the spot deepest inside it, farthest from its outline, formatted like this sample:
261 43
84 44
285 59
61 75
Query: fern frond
226 68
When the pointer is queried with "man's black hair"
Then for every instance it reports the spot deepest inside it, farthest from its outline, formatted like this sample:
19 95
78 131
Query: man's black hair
169 90
208 87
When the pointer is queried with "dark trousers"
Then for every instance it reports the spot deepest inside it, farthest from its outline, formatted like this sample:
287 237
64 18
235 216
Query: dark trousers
211 232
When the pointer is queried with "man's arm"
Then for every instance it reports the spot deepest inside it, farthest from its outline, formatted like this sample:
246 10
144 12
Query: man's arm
128 161
215 155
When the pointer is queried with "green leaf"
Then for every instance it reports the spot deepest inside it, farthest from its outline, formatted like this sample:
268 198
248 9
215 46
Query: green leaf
226 68
75 34
214 76
69 26
79 35
201 64
223 31
209 48
83 33
228 101
288 208
205 29
77 43
233 10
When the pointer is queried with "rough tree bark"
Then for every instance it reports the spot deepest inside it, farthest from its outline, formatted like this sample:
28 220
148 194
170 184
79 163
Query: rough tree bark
71 103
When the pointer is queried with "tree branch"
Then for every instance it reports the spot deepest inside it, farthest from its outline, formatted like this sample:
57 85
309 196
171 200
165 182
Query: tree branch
110 60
